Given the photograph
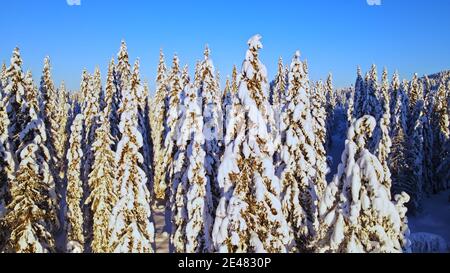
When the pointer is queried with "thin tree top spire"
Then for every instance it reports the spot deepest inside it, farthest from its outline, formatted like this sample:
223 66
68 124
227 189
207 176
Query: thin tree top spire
207 52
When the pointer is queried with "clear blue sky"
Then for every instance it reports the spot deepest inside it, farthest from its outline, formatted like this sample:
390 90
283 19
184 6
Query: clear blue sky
334 35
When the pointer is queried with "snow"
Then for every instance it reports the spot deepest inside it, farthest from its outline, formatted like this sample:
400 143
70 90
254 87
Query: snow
434 217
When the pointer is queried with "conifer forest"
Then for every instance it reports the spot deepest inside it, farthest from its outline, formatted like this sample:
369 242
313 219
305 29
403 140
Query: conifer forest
282 165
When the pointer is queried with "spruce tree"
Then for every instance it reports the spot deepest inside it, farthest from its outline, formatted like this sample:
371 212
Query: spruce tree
441 140
318 102
31 215
212 120
131 228
74 195
298 178
102 196
171 123
385 144
357 213
191 201
249 217
112 101
330 108
158 118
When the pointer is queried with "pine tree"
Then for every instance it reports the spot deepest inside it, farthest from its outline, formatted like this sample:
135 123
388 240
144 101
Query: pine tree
123 68
7 168
158 118
15 100
385 144
31 215
330 108
298 154
74 194
212 120
130 225
62 117
441 140
357 214
359 95
191 200
249 217
112 100
428 138
101 183
185 79
278 91
318 102
49 104
3 80
394 93
141 95
172 116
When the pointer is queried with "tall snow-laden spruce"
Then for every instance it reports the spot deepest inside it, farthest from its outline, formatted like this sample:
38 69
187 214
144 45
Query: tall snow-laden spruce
102 196
385 144
298 179
112 101
441 140
158 117
131 228
330 108
62 119
357 213
319 115
15 100
170 138
277 94
249 217
31 216
359 95
74 195
191 201
7 168
49 104
141 95
212 122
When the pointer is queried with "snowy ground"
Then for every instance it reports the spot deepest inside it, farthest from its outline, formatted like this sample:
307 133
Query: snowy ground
435 217
161 217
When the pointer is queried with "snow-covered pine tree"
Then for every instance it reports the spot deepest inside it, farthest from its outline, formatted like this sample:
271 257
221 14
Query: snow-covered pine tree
3 79
91 109
31 215
441 140
7 168
402 173
350 105
249 217
278 90
74 195
185 79
428 138
191 199
49 106
318 102
370 101
212 122
394 90
112 101
15 100
171 123
415 137
141 95
102 196
158 118
62 117
131 228
356 213
330 108
299 188
123 68
385 144
359 95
